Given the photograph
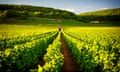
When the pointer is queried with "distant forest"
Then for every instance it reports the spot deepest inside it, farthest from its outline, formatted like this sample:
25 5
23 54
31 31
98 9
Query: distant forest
101 15
26 11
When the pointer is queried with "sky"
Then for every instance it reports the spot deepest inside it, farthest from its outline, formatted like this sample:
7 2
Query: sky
75 6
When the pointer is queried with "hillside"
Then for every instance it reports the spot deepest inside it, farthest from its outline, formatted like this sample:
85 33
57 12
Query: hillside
101 15
25 11
26 14
103 12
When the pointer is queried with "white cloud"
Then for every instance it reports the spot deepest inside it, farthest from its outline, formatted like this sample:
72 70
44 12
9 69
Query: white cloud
102 9
68 9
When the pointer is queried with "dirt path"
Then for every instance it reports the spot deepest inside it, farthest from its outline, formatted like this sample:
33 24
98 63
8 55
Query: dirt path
69 64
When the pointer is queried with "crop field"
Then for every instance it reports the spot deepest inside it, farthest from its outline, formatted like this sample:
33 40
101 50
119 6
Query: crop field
95 49
37 48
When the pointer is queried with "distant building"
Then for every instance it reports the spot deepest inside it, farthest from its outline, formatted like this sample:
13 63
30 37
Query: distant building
94 22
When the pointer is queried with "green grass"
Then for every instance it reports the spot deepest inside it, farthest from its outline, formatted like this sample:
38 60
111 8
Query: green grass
46 28
45 24
91 29
26 28
54 22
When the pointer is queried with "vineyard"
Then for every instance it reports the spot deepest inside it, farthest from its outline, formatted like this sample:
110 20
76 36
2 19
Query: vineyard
52 51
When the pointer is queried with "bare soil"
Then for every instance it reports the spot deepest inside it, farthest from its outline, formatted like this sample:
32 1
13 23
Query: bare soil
69 63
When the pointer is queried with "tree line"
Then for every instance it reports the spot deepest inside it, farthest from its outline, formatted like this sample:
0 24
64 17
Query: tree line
101 15
25 11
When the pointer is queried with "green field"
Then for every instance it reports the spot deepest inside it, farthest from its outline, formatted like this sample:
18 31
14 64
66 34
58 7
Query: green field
26 28
49 27
93 48
55 22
